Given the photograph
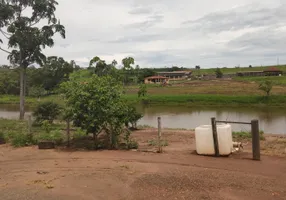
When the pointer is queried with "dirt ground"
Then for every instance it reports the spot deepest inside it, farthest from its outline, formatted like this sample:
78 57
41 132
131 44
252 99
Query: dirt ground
178 173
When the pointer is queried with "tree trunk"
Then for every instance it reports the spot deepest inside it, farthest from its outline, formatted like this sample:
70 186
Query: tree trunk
22 92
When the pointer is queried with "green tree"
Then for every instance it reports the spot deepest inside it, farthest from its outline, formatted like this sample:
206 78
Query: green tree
96 106
127 62
56 70
47 111
99 66
266 86
142 90
26 38
218 73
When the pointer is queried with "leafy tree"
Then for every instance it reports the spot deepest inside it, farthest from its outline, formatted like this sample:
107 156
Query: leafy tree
114 63
142 90
266 86
96 106
47 111
99 66
133 117
25 37
250 66
9 83
198 67
218 73
127 62
55 71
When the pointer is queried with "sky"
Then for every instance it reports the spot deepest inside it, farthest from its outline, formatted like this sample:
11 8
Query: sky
158 33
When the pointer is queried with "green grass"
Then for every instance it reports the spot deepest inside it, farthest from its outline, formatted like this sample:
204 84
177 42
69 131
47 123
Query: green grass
209 99
154 142
277 80
242 135
184 99
12 99
16 133
235 70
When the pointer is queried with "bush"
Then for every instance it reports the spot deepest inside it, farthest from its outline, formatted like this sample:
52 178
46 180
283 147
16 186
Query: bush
47 111
55 136
132 144
79 134
17 139
22 140
266 86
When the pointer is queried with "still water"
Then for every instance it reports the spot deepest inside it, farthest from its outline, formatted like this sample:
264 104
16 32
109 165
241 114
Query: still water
271 120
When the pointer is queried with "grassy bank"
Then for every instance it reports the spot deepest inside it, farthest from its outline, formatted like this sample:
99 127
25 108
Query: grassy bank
177 99
208 99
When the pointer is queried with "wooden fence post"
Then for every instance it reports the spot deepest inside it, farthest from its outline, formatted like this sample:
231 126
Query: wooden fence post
216 146
255 139
68 132
159 136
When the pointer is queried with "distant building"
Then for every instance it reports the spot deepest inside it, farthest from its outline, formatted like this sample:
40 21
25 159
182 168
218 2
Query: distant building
270 71
156 80
176 75
250 73
273 71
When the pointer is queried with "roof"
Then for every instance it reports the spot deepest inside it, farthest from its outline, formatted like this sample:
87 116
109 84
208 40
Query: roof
156 77
175 72
272 69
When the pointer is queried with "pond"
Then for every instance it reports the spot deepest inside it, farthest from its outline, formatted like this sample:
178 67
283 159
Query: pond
271 120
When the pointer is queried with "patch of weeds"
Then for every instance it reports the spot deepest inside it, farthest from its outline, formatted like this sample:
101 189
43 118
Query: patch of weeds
55 136
154 142
144 126
22 140
79 134
17 138
246 135
132 144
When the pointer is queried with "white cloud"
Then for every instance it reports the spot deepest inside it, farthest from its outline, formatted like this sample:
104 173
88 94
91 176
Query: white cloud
166 32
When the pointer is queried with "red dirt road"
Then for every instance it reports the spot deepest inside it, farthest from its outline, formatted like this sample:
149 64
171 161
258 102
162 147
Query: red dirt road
28 173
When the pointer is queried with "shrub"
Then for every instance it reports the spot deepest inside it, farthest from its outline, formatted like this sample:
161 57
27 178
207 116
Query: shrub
79 134
266 86
47 111
142 90
17 139
22 140
55 136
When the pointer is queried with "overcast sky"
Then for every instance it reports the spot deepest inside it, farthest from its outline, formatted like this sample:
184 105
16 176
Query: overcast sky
157 33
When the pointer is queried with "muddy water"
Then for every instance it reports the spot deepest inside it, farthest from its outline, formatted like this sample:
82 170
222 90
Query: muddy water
271 120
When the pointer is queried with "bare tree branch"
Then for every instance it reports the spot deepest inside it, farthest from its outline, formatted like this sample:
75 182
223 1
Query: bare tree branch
5 51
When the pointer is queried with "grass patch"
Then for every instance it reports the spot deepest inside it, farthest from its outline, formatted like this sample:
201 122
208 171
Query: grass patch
277 80
209 99
154 142
242 135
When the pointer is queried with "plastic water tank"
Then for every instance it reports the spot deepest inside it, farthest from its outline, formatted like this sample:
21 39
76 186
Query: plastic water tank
205 142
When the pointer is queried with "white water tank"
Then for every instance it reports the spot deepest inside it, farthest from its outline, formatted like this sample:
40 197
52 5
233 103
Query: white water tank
205 142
